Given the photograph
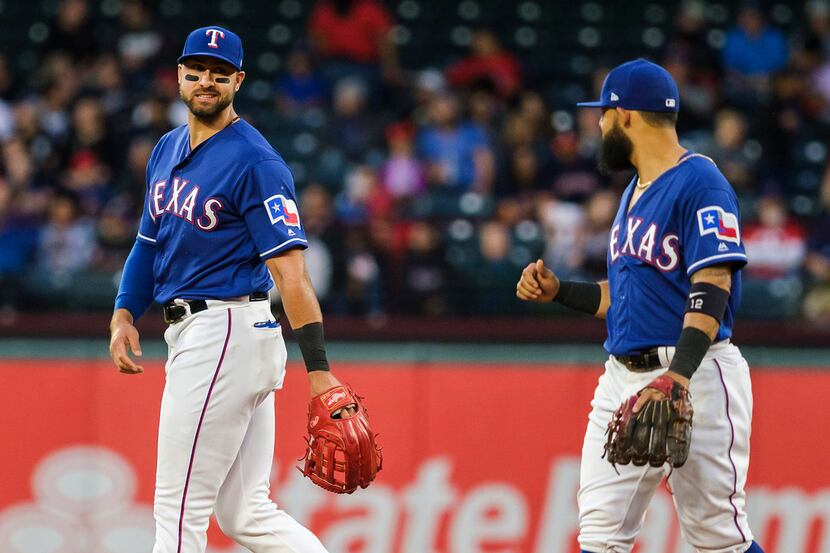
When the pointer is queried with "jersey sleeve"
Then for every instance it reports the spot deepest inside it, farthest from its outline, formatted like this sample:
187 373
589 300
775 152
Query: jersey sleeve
712 229
267 203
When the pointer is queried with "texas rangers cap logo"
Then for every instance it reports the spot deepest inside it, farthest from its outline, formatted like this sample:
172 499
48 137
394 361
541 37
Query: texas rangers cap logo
214 34
282 209
714 220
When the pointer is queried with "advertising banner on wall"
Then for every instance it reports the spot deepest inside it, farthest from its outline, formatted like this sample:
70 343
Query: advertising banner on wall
477 458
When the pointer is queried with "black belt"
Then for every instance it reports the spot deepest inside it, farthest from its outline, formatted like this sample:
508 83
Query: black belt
174 312
641 362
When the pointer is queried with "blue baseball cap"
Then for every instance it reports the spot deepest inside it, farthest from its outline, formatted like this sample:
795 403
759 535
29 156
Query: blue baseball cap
638 85
215 42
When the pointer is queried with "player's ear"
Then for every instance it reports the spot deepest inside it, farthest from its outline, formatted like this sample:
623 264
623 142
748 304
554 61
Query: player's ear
240 76
624 117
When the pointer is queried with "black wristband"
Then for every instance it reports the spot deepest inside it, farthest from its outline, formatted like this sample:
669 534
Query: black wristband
691 347
582 296
312 346
708 299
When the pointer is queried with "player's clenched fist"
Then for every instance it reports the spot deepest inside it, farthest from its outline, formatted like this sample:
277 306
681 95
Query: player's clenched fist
537 283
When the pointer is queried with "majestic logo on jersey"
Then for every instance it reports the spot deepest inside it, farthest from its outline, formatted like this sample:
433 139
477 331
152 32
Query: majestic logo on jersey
714 220
214 33
282 209
663 253
181 202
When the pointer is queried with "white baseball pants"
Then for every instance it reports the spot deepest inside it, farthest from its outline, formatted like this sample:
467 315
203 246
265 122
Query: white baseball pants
708 490
216 433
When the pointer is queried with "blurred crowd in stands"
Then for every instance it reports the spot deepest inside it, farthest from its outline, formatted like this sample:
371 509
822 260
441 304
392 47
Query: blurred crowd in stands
424 187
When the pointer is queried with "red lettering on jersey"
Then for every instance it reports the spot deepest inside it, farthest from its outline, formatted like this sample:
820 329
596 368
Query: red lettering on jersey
210 219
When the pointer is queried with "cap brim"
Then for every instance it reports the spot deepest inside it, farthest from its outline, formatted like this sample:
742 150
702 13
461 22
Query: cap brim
596 104
210 55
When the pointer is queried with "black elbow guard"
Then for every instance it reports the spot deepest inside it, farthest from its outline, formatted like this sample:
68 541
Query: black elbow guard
708 299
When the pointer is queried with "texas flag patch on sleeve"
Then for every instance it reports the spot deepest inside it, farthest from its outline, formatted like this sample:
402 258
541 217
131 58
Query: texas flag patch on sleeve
724 225
282 209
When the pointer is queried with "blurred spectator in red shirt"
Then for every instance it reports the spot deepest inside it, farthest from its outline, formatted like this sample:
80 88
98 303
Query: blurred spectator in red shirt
775 244
776 247
352 37
487 61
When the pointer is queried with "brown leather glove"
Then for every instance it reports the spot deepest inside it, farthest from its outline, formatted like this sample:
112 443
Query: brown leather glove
660 432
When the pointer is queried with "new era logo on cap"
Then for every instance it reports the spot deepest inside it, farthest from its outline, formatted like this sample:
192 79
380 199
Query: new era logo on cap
614 97
670 103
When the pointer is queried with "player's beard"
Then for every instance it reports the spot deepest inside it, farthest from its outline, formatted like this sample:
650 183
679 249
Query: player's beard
206 113
614 151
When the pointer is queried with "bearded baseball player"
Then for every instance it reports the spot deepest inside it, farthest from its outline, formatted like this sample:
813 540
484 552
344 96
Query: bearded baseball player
220 222
674 282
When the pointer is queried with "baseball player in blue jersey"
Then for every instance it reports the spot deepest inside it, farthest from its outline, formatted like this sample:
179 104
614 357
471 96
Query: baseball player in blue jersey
220 221
674 283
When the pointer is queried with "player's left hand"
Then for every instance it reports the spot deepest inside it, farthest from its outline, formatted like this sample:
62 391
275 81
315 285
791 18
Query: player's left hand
653 394
320 381
124 339
661 432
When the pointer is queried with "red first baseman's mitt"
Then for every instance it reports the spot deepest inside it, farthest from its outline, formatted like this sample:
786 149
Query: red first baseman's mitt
661 431
342 453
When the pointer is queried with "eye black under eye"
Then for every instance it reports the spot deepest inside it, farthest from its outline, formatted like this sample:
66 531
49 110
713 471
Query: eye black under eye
223 80
193 78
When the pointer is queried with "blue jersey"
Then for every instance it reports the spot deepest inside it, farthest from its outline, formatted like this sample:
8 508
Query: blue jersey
216 212
687 219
